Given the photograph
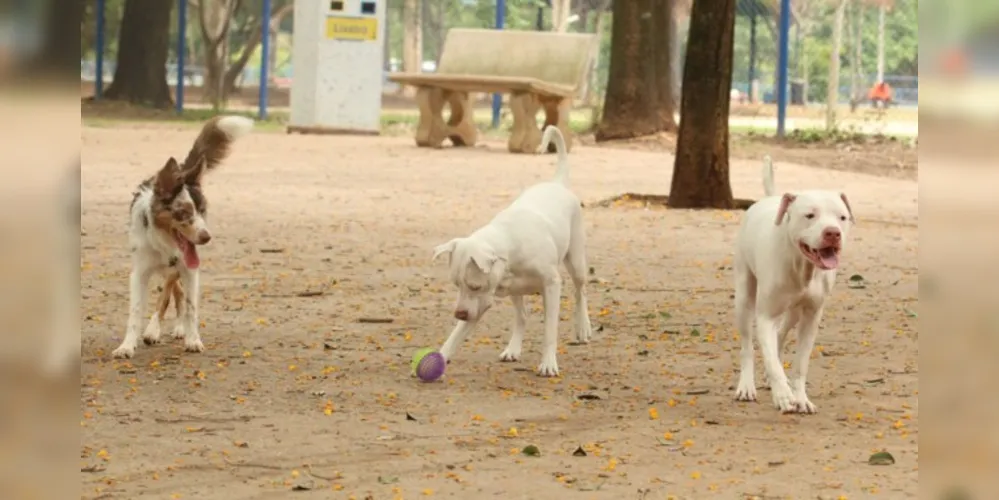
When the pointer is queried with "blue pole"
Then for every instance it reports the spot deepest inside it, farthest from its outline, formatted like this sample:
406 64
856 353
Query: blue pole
785 29
497 98
99 81
265 50
181 52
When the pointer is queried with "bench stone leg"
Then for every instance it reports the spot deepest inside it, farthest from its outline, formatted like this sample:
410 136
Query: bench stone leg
557 113
460 126
431 131
525 136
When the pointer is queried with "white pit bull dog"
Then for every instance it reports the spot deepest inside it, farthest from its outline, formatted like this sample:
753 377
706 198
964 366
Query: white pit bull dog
785 266
517 254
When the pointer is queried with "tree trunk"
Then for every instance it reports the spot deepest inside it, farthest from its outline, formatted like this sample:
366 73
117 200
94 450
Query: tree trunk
857 79
630 105
676 53
832 87
881 42
412 41
662 37
214 17
234 70
593 88
61 52
700 173
143 45
560 15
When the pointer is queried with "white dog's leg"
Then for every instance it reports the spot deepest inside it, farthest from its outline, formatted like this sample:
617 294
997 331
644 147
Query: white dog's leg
513 349
806 341
575 262
138 292
745 302
780 389
192 339
552 295
458 335
787 325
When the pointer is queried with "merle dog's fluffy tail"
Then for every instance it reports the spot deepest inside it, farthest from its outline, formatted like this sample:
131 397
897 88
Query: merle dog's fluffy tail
768 176
553 133
212 144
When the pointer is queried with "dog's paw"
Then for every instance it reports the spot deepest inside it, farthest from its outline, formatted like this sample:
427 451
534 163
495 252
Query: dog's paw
803 405
123 352
194 346
178 331
584 332
511 353
152 334
548 366
783 398
746 390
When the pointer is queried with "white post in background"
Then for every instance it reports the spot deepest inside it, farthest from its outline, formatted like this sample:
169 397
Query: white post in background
337 61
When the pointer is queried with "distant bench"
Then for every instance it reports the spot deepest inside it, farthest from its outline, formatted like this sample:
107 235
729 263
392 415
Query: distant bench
540 70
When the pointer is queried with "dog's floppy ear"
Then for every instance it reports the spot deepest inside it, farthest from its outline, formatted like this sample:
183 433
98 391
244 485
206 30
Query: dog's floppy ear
192 176
168 179
445 248
484 261
785 202
846 202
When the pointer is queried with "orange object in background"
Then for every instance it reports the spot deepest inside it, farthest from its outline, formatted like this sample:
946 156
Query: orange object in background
881 94
954 62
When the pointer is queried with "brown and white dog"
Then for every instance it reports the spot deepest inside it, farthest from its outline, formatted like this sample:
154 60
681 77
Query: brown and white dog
167 224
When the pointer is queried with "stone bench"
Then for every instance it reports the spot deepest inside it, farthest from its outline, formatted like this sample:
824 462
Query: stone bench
539 70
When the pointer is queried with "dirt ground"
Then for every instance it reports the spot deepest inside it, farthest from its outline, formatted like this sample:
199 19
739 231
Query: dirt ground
296 393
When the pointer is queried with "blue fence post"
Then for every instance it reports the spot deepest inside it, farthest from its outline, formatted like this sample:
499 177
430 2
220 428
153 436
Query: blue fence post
497 98
785 29
181 52
99 79
265 51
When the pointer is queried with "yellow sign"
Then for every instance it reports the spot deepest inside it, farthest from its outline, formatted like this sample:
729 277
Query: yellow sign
351 28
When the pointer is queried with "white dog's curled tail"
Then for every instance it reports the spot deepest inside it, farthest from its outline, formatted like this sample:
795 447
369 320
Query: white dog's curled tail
552 132
768 177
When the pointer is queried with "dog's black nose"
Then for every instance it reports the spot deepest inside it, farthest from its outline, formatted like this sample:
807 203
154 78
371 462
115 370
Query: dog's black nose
461 315
204 237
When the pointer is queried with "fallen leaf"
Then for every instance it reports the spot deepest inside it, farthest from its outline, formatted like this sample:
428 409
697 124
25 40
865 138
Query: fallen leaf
881 458
531 451
305 485
579 452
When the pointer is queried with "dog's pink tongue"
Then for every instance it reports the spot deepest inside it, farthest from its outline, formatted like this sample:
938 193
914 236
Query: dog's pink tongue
830 260
191 259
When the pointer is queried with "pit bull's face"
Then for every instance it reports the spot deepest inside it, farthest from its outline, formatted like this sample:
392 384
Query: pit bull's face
476 271
817 223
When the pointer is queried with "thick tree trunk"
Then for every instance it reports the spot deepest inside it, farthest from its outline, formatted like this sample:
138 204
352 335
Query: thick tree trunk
663 50
61 51
143 44
700 173
412 41
630 105
832 88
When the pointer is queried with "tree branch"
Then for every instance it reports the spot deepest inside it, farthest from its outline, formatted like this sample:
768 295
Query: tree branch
237 67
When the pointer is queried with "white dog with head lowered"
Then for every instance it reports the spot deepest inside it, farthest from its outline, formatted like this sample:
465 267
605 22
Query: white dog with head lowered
517 254
785 264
